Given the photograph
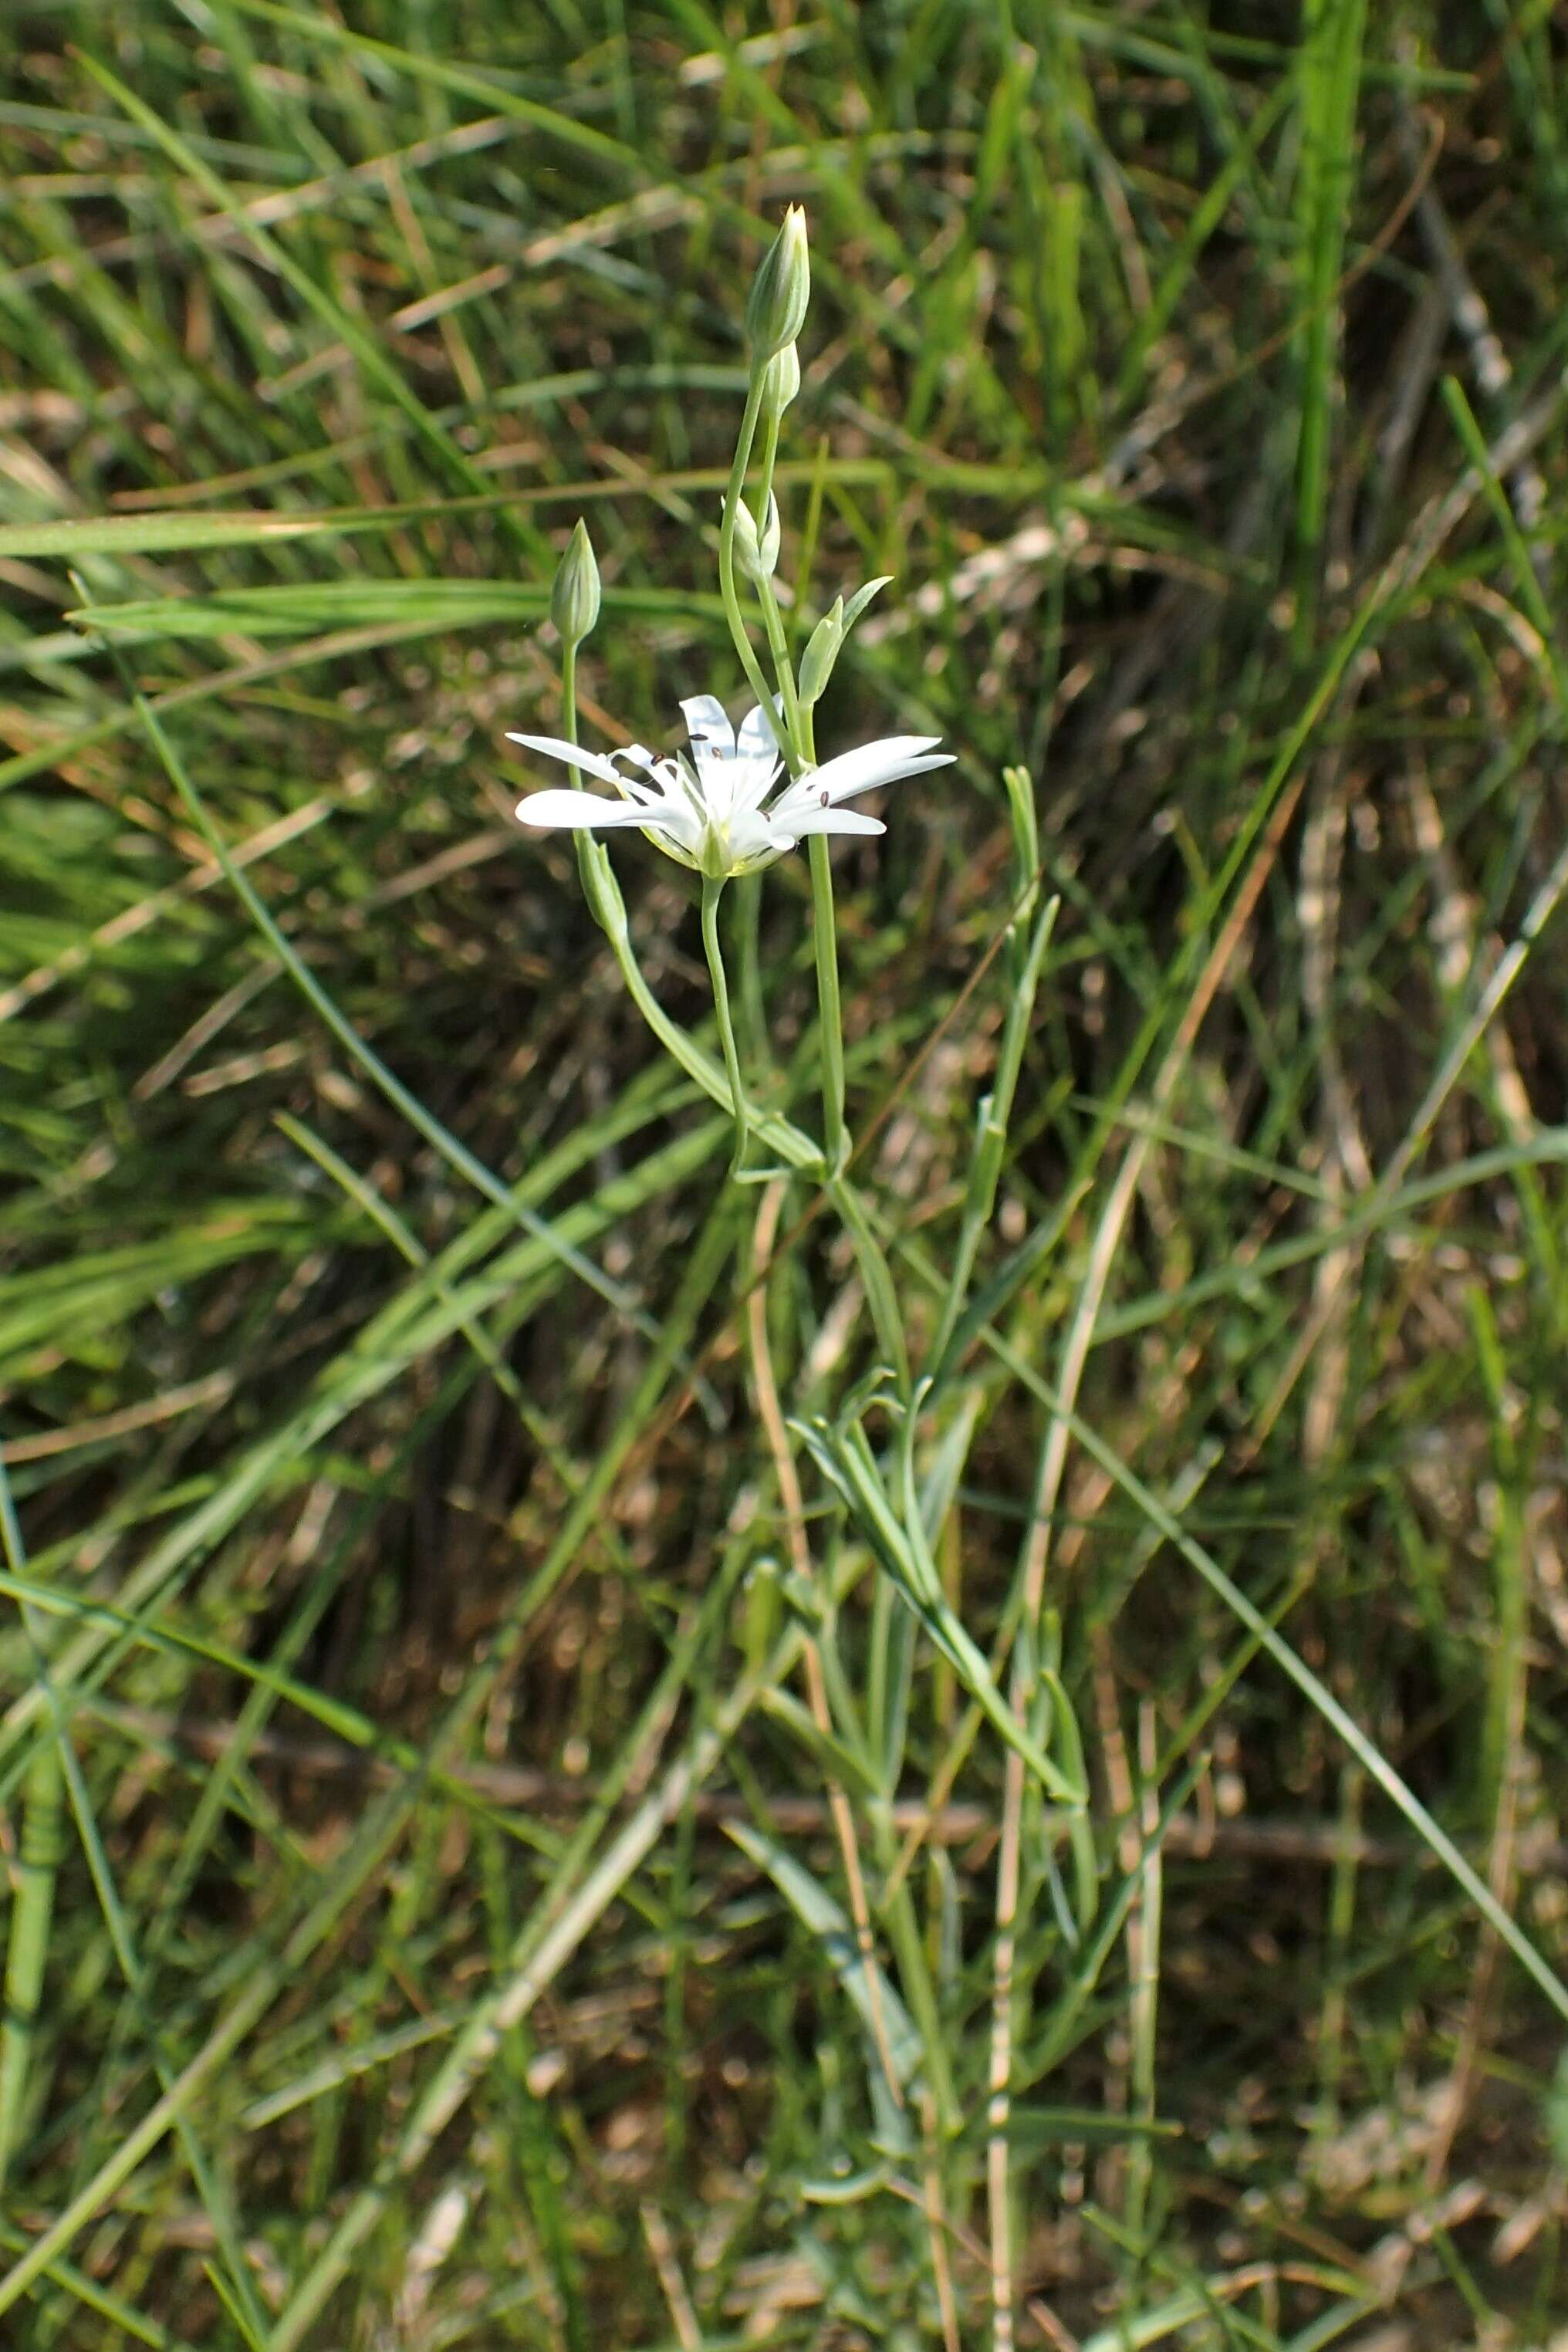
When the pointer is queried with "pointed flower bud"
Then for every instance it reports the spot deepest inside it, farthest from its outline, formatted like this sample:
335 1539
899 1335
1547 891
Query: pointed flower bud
770 543
821 653
574 598
781 382
758 557
775 308
827 641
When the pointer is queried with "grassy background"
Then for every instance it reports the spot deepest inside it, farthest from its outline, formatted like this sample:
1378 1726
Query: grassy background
409 1590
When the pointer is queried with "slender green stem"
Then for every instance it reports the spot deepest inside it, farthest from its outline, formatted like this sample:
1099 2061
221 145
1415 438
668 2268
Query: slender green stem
36 1865
991 1141
591 857
797 750
40 1850
882 1295
747 930
764 487
798 741
712 893
830 1019
727 588
783 1138
796 757
824 934
569 690
915 1975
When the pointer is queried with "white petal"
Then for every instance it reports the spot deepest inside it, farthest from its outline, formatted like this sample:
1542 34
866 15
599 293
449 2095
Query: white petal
800 822
862 770
758 738
577 809
747 836
707 724
718 773
553 748
634 786
674 817
755 780
665 773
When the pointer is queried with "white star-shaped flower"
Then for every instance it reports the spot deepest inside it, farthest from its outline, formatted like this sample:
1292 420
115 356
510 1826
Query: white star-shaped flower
707 810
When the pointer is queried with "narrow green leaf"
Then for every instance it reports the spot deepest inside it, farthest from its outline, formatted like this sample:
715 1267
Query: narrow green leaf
823 1917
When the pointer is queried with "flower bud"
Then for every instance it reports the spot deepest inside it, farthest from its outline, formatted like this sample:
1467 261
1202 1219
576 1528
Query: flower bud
781 382
775 308
758 558
574 598
821 653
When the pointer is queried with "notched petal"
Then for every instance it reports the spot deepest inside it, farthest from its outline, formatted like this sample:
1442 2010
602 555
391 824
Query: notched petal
555 747
758 738
871 764
832 820
707 723
554 810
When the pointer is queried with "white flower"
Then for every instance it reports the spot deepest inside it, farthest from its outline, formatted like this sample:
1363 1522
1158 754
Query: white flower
707 810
